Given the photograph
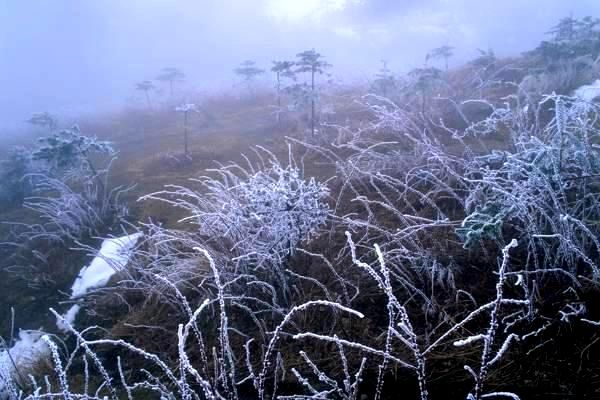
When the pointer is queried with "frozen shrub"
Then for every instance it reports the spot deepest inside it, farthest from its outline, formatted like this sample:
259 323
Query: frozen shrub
484 223
64 156
545 188
542 186
72 200
261 214
72 197
70 151
77 210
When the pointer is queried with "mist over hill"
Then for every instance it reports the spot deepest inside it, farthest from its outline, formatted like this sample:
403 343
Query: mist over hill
294 200
77 57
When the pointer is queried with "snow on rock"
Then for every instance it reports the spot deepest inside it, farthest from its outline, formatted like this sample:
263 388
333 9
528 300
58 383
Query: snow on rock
589 92
24 355
112 257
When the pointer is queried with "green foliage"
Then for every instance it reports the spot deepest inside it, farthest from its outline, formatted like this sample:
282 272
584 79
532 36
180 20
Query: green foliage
484 223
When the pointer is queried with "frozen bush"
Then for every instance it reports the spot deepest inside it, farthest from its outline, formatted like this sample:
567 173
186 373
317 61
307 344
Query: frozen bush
261 214
82 209
545 188
69 152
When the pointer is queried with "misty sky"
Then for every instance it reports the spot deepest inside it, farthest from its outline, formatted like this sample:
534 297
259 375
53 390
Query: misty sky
76 56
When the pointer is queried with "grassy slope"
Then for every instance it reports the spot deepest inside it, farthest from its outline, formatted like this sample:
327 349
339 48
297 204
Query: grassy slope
147 141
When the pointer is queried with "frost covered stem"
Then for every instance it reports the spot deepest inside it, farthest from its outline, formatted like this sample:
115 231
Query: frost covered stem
488 338
278 329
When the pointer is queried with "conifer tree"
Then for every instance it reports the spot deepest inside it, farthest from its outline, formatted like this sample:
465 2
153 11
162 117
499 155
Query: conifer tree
384 81
171 75
282 69
248 71
443 52
146 87
44 120
311 62
424 80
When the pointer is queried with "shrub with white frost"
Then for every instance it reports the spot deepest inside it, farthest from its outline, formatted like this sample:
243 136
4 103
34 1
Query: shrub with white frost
262 215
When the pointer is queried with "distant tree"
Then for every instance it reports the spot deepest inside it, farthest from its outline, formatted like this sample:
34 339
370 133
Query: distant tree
424 80
248 71
588 28
44 120
300 95
312 63
485 59
282 69
484 69
171 75
146 87
384 81
186 109
570 38
564 30
443 52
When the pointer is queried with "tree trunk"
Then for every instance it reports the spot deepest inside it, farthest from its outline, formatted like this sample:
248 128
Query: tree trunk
278 99
312 102
185 133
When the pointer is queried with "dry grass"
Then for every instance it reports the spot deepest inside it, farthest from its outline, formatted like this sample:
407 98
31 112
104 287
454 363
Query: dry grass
150 143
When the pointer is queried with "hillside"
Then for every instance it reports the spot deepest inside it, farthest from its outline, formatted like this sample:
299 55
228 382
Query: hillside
434 235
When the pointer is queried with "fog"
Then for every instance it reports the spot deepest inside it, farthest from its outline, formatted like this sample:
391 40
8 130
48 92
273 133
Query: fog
71 57
343 199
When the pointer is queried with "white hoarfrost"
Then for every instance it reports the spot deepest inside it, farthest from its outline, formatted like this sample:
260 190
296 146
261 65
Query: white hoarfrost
112 257
17 362
589 92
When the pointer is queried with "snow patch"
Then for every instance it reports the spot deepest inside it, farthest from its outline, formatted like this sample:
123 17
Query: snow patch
112 257
24 355
589 92
69 317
